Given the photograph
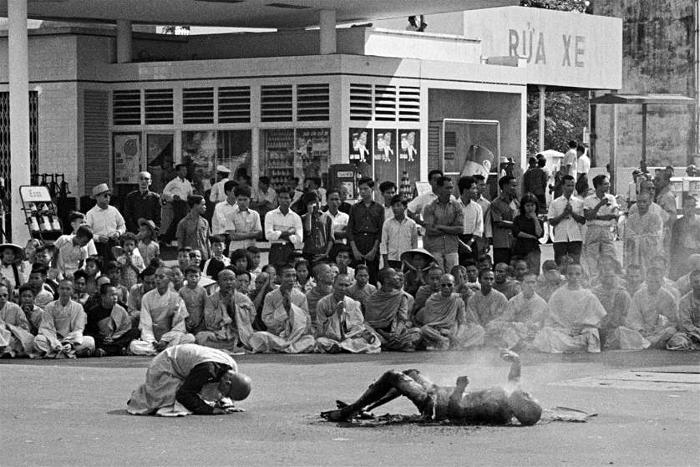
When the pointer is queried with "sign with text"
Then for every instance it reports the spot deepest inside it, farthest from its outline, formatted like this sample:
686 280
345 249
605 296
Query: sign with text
558 48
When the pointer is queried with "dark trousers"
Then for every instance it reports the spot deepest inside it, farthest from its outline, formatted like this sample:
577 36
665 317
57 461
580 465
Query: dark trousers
104 250
364 243
180 209
501 255
116 346
572 249
466 255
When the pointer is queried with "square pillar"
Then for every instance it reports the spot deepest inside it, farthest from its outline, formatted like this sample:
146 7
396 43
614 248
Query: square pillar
327 34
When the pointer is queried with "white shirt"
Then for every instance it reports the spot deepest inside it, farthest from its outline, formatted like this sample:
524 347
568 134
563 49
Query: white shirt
473 218
485 206
218 194
398 237
244 222
270 196
568 230
570 158
275 222
105 221
222 220
340 223
583 166
69 257
592 201
179 187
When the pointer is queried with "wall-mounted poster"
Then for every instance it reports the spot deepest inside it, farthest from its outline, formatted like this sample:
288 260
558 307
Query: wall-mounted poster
127 157
313 150
385 156
360 141
409 159
159 159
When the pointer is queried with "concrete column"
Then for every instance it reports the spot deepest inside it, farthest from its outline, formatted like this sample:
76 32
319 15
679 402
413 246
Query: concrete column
541 129
123 41
327 33
18 54
613 149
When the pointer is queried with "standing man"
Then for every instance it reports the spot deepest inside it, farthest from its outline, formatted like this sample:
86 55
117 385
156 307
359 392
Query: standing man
667 200
399 234
244 226
264 198
365 229
388 190
601 211
193 229
284 230
570 162
566 215
222 219
338 218
503 211
218 192
535 182
444 221
176 193
106 222
142 204
473 220
484 243
583 166
416 206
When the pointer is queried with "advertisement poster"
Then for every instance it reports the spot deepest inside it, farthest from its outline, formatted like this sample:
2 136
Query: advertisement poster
385 156
127 157
360 142
159 159
409 160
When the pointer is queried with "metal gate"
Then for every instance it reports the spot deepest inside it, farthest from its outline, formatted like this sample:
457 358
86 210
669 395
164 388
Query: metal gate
5 168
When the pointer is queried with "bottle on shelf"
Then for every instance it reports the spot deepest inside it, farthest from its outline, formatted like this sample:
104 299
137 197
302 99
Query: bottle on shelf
33 225
55 224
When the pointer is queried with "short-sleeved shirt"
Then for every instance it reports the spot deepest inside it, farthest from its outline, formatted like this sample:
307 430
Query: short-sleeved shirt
592 201
571 158
449 214
501 210
69 257
568 230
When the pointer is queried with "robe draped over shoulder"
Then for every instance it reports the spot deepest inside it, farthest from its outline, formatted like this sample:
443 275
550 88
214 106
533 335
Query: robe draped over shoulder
345 332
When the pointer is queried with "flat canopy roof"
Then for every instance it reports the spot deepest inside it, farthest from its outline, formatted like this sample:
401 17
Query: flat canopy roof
241 13
668 99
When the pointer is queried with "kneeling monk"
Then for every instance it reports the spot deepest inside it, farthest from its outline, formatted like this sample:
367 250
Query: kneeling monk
493 406
177 376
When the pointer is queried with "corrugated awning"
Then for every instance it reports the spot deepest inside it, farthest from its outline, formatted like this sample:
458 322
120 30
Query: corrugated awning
638 99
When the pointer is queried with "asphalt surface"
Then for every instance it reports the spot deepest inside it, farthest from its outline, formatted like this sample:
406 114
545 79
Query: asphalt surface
67 412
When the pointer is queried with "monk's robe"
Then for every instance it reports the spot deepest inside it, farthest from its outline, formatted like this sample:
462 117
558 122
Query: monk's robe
487 307
361 294
444 324
195 302
688 335
572 323
228 322
61 325
312 299
111 328
683 285
134 303
643 238
288 325
346 332
162 319
616 301
510 288
465 292
177 379
387 313
17 330
649 323
422 296
520 323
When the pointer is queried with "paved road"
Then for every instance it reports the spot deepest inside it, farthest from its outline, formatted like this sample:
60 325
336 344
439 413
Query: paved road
72 413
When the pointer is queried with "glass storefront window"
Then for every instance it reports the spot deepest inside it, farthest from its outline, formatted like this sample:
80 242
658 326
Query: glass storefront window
202 151
289 153
159 159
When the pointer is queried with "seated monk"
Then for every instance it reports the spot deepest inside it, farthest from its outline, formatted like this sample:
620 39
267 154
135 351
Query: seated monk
323 275
18 326
550 280
573 320
178 377
361 290
286 317
444 322
387 313
611 293
688 335
228 316
162 319
504 284
136 293
425 291
523 318
683 284
341 326
492 406
487 303
62 326
109 324
651 319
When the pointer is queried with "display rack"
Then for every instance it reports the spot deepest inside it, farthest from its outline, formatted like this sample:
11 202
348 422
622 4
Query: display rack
41 213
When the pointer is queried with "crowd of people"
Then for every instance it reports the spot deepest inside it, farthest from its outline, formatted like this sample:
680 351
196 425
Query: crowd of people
345 277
